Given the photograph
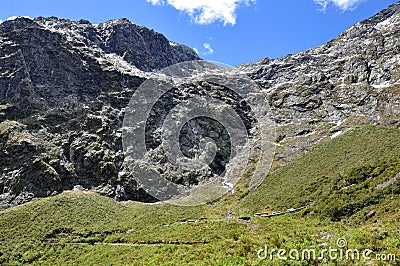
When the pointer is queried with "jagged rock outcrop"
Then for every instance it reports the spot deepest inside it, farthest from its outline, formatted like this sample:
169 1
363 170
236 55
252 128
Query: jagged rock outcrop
64 87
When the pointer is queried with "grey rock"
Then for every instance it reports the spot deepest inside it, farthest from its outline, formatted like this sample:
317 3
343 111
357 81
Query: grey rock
370 214
353 79
391 181
66 83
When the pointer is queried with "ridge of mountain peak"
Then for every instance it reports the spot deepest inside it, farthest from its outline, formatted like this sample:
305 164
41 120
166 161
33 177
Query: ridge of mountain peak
139 46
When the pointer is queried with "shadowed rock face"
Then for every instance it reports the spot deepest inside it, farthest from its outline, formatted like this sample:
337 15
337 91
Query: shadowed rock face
66 83
64 86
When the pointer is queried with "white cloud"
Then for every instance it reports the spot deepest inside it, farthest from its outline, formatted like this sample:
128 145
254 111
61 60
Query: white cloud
207 11
1 21
196 50
209 49
342 4
155 2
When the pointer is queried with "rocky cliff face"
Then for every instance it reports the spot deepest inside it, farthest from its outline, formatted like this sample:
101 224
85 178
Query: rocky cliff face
323 91
63 89
64 86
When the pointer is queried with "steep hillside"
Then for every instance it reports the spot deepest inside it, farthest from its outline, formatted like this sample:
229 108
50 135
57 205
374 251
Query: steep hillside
348 171
84 228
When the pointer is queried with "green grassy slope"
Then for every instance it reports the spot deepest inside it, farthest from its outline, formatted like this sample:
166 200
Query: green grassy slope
78 228
330 166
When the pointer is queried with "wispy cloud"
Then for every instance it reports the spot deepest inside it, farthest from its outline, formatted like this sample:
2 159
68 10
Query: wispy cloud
155 2
341 4
209 49
207 11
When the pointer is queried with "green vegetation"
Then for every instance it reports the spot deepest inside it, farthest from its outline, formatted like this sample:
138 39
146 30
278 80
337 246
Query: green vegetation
305 180
337 180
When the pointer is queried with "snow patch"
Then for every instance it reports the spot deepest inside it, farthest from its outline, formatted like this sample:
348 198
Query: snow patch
12 18
388 24
368 42
15 17
336 134
310 134
384 85
119 64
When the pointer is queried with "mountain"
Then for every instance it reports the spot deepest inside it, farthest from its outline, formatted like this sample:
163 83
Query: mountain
334 183
64 87
353 79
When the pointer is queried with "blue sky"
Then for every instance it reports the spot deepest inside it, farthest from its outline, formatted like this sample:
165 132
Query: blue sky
228 31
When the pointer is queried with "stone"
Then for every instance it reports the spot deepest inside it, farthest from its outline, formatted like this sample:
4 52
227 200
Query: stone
370 214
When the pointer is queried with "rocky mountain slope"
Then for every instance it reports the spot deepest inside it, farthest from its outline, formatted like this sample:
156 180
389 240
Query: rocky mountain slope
64 86
321 92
